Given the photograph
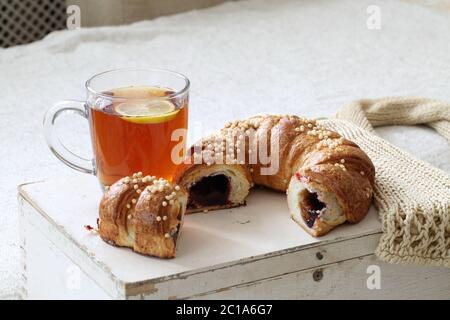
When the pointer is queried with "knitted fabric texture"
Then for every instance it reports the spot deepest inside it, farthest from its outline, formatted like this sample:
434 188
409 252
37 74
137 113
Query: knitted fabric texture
412 197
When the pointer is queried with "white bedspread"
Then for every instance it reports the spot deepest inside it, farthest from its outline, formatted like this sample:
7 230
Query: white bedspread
302 57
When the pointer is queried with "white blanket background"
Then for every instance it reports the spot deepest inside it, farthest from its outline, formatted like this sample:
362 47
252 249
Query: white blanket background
301 57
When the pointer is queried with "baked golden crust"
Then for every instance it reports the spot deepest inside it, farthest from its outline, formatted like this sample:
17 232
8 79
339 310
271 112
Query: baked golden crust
143 213
334 167
346 172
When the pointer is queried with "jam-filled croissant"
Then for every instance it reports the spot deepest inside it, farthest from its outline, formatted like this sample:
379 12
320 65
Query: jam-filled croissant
143 213
328 179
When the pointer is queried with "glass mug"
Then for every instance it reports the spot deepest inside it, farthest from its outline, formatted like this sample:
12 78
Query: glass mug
138 121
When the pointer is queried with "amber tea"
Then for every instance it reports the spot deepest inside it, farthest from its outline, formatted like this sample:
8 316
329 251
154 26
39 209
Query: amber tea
135 132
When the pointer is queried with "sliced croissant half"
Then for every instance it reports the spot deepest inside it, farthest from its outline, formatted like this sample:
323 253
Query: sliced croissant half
216 186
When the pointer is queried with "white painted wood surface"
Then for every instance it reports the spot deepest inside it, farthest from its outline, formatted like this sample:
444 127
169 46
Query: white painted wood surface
346 280
250 252
50 274
209 241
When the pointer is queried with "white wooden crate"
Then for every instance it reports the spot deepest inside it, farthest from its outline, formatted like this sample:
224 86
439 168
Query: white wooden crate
249 252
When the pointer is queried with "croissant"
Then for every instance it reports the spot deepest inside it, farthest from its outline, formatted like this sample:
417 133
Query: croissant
328 179
143 213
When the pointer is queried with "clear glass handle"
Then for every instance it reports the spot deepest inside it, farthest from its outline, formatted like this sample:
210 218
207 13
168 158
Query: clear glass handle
59 150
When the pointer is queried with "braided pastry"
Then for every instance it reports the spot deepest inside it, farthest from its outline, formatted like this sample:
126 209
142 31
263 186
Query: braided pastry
143 213
328 179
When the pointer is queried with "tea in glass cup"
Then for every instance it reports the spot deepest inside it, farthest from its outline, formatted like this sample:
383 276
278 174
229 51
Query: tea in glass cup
138 123
135 134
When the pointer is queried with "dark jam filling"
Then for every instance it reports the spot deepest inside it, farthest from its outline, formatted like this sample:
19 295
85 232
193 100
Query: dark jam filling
210 191
311 207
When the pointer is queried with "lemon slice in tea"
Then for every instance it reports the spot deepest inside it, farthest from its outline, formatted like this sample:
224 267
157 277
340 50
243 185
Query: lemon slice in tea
145 111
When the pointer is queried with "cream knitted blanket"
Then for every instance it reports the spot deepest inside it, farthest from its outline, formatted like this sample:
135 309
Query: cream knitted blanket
413 197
